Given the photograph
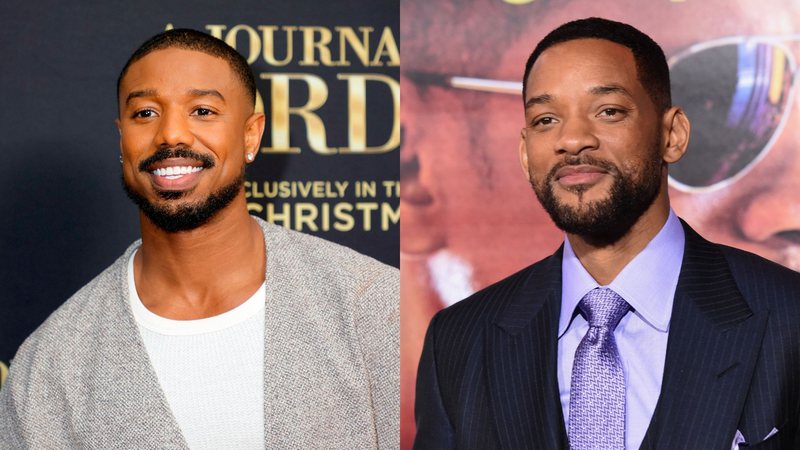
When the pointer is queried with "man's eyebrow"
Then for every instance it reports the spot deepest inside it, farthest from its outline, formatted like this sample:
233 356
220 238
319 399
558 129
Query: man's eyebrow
139 94
610 89
538 100
206 92
191 92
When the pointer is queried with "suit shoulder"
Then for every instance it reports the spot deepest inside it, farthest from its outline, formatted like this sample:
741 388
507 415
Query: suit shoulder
756 269
763 282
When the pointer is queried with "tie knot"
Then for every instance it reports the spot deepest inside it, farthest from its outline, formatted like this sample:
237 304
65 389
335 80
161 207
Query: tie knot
603 307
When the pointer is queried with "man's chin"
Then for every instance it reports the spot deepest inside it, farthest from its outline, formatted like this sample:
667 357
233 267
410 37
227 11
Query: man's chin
171 195
580 196
173 217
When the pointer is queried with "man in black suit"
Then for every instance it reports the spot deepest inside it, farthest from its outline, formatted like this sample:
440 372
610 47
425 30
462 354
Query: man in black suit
704 344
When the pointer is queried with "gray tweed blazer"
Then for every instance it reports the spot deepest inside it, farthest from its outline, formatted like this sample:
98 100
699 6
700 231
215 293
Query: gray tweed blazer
331 359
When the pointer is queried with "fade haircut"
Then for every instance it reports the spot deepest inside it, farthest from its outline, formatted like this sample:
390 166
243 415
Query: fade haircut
188 39
652 70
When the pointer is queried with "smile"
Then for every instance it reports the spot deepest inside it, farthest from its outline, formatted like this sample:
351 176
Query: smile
175 172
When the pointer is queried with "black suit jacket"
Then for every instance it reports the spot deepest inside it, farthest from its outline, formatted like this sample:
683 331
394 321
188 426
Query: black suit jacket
487 377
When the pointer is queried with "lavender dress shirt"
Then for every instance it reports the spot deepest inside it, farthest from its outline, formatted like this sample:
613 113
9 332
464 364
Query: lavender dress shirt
648 284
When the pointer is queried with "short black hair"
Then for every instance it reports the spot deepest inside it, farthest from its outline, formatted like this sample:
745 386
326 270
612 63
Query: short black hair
651 64
189 39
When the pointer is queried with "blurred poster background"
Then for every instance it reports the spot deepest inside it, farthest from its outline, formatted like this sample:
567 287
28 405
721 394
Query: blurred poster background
469 215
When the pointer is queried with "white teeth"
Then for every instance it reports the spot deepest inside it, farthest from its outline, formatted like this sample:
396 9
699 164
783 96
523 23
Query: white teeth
175 172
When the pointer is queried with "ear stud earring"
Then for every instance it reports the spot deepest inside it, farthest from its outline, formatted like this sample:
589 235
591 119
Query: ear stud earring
250 157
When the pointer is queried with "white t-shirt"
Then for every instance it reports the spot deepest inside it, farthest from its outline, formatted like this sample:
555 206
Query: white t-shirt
211 371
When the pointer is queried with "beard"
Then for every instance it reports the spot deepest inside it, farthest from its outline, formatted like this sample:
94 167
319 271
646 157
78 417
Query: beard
185 216
603 222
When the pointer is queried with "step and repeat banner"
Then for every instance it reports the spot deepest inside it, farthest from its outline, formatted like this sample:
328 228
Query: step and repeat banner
469 215
327 75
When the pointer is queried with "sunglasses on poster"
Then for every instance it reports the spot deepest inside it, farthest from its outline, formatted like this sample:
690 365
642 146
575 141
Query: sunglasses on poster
737 92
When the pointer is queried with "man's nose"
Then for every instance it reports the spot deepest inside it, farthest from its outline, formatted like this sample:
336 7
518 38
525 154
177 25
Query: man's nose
576 134
174 129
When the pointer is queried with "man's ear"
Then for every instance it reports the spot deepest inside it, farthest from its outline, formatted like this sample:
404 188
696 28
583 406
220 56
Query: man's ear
253 131
523 153
676 129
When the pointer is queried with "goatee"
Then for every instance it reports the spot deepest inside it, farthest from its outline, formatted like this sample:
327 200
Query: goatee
603 222
173 216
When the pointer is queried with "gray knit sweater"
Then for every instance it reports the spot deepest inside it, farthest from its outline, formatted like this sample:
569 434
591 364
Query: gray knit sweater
331 359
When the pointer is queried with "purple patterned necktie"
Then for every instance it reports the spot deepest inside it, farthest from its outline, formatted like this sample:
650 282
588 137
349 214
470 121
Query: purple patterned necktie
597 392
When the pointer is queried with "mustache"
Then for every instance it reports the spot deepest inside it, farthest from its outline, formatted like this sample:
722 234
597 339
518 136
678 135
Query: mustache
582 159
175 152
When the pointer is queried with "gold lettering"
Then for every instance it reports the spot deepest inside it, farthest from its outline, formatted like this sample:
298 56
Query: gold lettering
366 209
392 188
357 113
359 46
326 217
341 187
284 217
216 30
3 373
247 186
365 189
253 39
345 221
310 42
387 46
268 44
259 106
315 127
305 214
389 214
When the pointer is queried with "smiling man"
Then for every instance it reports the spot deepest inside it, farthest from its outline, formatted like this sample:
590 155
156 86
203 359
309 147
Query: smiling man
637 332
216 330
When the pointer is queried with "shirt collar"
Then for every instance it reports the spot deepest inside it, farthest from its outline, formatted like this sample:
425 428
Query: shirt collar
647 283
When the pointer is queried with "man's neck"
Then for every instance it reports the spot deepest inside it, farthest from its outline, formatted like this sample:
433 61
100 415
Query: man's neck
202 272
604 263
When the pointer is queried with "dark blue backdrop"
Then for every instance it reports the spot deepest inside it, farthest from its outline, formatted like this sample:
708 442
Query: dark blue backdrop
64 216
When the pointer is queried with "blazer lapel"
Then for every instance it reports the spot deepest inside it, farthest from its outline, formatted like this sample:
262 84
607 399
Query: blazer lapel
713 345
521 361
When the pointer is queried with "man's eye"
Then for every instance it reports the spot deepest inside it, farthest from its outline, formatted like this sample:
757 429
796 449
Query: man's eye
203 112
143 114
612 112
544 121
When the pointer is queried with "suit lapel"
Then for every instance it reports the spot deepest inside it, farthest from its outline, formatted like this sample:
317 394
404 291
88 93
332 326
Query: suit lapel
521 361
713 345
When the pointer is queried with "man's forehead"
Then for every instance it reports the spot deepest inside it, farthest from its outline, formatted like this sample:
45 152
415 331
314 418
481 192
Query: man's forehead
177 63
559 65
